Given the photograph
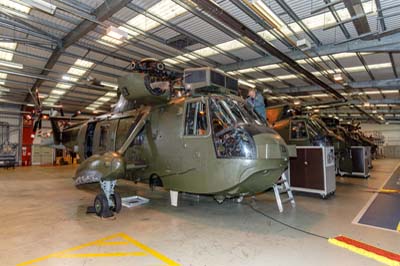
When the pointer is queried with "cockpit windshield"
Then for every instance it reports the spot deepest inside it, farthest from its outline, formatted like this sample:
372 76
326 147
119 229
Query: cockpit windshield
231 140
231 112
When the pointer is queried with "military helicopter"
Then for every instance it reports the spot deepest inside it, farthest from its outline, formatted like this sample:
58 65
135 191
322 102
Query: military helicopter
304 130
198 138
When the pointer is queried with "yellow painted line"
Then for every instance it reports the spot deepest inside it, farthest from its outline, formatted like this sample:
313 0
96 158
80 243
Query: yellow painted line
114 243
110 254
103 242
398 227
149 250
389 190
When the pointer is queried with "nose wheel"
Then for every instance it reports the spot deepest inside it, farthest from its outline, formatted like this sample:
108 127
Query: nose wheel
108 201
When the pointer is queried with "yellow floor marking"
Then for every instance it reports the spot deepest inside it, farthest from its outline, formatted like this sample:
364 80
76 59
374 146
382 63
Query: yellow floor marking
398 227
109 254
102 242
389 190
114 243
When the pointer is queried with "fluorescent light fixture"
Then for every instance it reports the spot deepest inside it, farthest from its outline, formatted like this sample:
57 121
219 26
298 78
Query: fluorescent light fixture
338 77
248 84
267 12
374 111
366 104
90 108
390 91
42 5
297 102
16 6
109 84
11 64
116 33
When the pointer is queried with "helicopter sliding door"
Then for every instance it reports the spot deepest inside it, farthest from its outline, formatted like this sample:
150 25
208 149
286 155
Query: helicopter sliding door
104 136
134 152
88 148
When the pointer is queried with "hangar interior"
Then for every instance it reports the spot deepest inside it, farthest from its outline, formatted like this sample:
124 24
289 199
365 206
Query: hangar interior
100 90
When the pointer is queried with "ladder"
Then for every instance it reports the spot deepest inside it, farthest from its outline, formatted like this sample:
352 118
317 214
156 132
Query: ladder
280 187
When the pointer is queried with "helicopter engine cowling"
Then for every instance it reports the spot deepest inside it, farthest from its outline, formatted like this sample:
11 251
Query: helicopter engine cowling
144 88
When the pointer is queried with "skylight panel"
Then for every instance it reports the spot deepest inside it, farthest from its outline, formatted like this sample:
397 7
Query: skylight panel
166 10
63 86
231 45
8 45
109 39
103 99
205 52
170 61
15 5
111 94
58 92
143 23
83 63
69 78
129 31
76 71
6 56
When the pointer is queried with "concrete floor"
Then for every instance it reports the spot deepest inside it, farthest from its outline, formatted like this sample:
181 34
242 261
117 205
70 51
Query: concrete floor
43 213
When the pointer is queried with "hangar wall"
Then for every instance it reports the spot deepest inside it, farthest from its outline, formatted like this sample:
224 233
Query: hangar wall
391 133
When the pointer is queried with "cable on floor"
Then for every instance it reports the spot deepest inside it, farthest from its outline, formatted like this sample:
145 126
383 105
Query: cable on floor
285 224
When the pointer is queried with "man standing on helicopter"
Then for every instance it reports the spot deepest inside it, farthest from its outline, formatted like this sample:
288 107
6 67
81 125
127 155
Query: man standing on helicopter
256 101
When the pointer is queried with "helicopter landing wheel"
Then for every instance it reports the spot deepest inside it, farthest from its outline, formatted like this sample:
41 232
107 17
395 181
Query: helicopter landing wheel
116 199
101 206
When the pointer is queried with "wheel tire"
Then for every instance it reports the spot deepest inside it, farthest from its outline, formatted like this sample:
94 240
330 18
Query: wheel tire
101 205
116 198
160 66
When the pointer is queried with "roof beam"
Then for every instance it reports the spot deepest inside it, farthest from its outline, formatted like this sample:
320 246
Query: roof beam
102 13
222 16
390 43
388 84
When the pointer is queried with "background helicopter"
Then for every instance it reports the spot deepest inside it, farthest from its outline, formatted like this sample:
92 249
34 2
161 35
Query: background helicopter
206 142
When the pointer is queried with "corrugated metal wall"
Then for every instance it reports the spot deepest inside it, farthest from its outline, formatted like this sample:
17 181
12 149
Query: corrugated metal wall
391 147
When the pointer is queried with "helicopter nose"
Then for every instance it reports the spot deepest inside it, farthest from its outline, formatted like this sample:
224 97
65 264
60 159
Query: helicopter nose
108 166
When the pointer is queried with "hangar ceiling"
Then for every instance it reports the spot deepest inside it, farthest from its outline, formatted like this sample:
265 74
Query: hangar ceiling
58 52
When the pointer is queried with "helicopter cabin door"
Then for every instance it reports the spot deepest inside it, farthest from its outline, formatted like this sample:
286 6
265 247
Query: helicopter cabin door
134 153
196 133
88 143
104 136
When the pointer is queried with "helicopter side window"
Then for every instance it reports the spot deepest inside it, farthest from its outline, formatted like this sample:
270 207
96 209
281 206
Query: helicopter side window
103 135
196 119
298 130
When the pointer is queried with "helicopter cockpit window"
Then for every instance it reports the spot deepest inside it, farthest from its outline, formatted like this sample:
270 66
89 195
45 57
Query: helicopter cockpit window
196 119
298 129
